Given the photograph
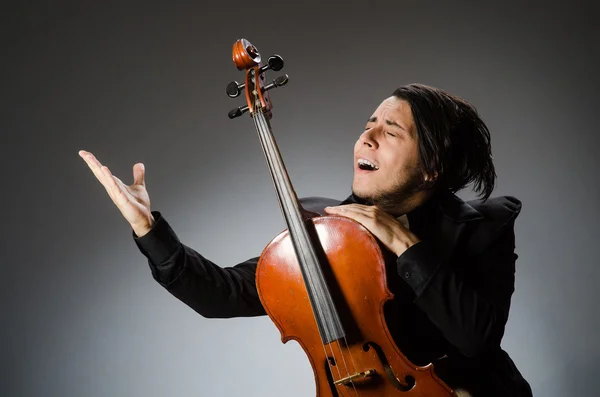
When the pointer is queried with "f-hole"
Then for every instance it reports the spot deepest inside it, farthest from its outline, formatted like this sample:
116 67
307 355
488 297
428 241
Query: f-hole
409 381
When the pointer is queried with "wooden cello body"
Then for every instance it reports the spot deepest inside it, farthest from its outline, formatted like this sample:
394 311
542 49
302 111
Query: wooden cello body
323 280
356 265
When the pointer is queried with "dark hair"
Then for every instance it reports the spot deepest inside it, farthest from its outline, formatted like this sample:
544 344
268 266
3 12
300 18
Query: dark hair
454 142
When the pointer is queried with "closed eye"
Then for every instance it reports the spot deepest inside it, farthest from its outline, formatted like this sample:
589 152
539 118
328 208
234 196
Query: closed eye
389 133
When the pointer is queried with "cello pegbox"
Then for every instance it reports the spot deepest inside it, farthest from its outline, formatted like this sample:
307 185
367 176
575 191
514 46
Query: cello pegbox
247 57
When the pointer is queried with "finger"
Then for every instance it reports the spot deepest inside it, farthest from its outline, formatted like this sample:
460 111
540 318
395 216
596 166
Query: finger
108 181
368 216
116 188
348 208
139 172
371 211
357 206
119 182
95 166
347 211
371 214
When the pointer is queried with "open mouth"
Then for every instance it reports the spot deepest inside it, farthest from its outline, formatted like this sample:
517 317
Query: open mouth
367 165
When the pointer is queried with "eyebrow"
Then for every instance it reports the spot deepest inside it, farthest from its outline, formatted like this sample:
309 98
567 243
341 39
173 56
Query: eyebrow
388 122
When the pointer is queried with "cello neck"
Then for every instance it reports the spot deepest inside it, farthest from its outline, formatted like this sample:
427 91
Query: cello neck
246 56
288 200
326 316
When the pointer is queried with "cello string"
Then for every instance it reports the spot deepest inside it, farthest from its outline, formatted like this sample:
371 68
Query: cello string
278 172
345 365
277 168
269 150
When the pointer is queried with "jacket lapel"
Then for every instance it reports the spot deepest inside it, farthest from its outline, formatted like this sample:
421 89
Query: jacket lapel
455 216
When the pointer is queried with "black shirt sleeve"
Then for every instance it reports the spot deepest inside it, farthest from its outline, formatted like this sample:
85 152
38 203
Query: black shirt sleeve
417 265
469 302
211 290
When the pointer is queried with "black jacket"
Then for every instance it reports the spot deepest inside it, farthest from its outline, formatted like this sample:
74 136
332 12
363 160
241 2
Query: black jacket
452 290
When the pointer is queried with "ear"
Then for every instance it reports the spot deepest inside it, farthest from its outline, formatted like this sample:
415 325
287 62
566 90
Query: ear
430 180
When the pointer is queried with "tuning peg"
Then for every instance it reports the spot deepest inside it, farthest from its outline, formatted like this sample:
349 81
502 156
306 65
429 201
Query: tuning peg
278 82
275 62
237 112
234 88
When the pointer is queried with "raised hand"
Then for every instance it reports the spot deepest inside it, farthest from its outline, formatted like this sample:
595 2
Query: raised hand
133 201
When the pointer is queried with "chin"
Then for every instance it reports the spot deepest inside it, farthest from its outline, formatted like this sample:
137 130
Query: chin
362 191
358 189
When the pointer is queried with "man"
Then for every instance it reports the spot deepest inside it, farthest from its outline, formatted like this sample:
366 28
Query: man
454 261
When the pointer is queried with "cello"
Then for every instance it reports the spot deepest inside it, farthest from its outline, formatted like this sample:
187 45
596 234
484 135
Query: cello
322 281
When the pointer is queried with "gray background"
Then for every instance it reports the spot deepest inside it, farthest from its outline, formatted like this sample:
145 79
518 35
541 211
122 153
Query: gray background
81 315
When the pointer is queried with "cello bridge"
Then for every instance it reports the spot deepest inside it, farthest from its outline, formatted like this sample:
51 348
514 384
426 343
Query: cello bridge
349 379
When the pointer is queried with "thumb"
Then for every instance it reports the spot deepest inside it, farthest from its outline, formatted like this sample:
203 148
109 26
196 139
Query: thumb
138 174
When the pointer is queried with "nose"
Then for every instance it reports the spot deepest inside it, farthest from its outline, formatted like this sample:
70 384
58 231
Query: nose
370 136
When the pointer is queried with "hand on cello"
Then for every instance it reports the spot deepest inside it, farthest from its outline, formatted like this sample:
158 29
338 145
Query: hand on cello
133 201
382 225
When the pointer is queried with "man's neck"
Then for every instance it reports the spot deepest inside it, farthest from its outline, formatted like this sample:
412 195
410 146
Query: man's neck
410 204
398 209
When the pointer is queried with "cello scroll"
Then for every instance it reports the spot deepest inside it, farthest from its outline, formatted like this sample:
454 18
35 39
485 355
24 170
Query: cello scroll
247 57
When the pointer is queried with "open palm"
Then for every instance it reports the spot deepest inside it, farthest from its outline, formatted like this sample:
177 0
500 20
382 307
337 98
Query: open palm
132 200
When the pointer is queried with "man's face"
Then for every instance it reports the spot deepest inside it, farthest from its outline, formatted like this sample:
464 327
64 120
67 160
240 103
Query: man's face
389 143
